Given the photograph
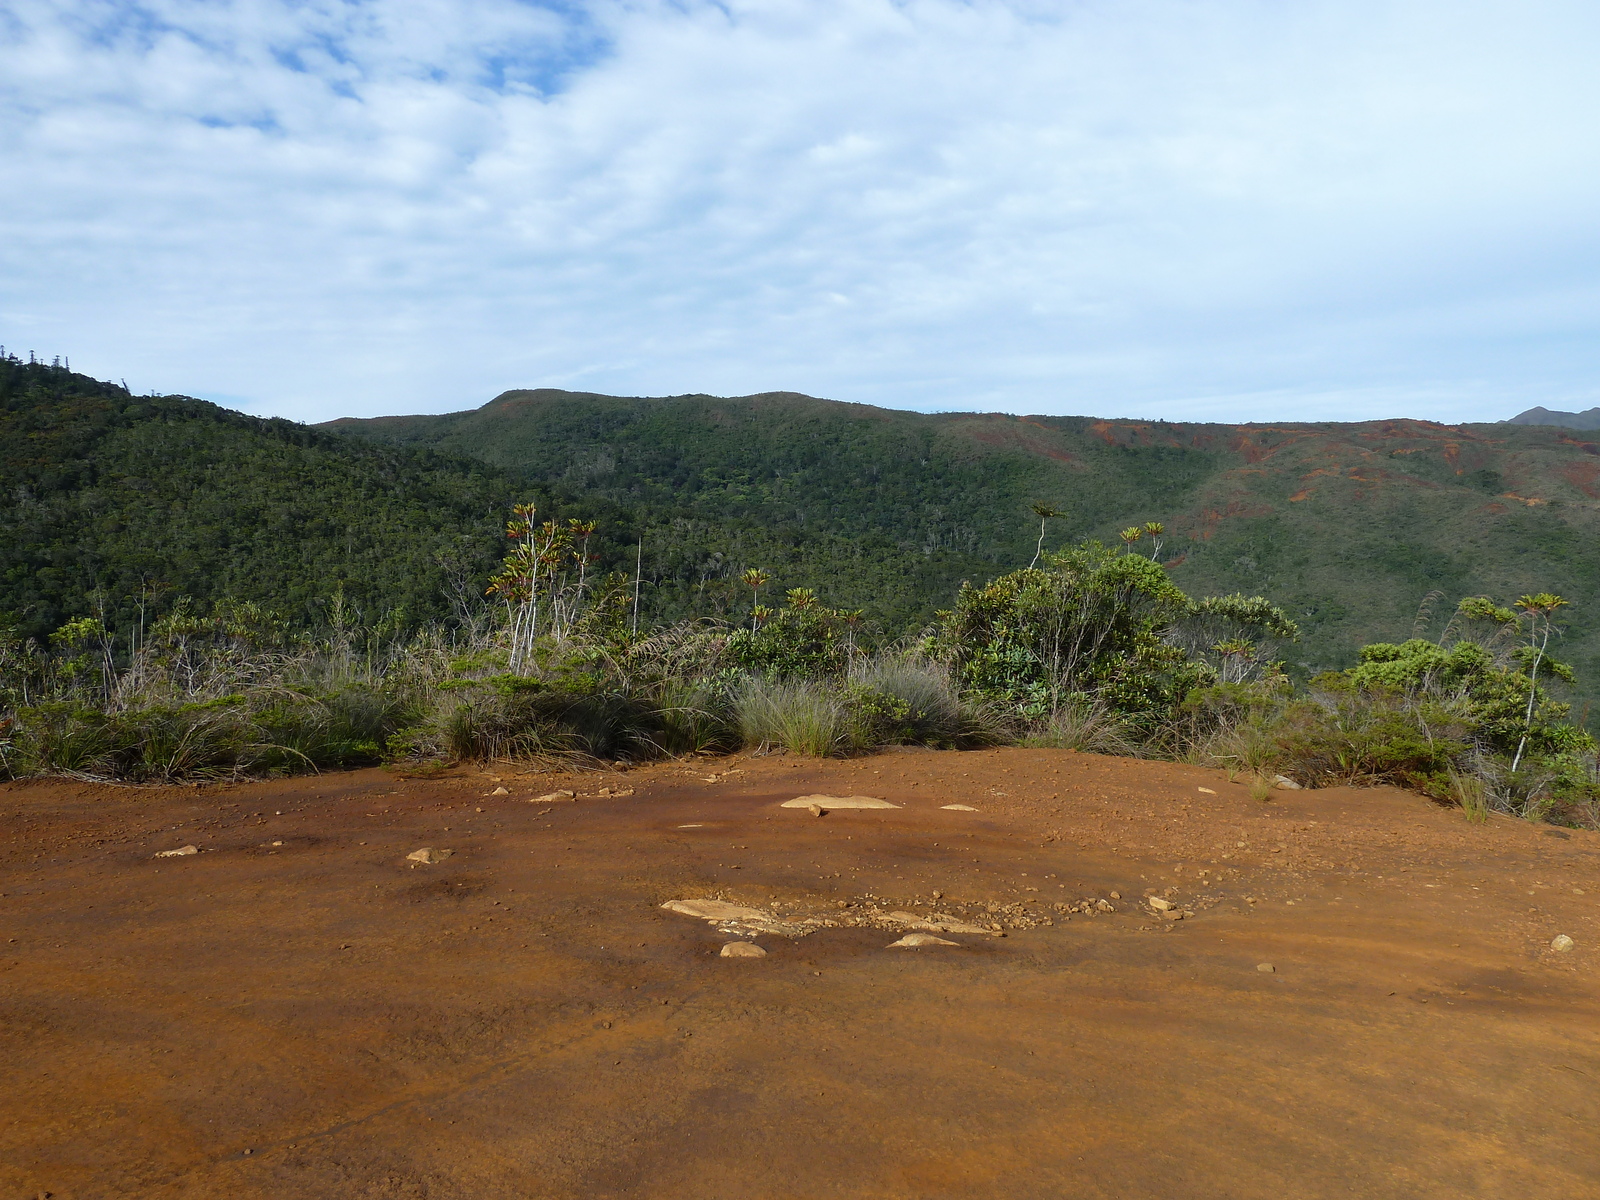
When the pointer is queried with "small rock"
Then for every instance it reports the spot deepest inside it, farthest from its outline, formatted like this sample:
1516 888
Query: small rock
1284 783
1174 914
1104 906
1116 895
1207 791
920 939
1160 905
714 910
958 807
1561 942
429 855
743 950
180 852
501 791
277 843
816 810
1265 968
552 797
833 802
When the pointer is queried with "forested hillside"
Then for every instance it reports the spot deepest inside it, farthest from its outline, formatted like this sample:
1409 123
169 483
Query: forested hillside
1348 526
111 497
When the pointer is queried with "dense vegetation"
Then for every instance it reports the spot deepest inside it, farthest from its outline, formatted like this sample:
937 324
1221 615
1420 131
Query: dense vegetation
1351 528
194 593
115 505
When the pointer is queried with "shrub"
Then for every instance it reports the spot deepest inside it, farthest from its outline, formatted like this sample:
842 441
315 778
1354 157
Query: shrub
904 702
502 721
1101 628
1342 734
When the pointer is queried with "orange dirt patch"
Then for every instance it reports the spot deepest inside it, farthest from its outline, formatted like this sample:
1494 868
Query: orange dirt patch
298 1011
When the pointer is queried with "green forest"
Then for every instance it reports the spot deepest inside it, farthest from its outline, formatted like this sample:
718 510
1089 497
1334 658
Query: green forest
190 592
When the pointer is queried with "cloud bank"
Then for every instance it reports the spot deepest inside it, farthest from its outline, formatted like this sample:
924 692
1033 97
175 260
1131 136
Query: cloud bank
1161 208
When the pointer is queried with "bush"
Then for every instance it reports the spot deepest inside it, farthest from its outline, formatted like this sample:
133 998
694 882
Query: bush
1342 734
251 734
495 720
904 702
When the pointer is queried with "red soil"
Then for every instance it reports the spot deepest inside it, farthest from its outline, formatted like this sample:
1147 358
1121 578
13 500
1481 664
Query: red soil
320 1018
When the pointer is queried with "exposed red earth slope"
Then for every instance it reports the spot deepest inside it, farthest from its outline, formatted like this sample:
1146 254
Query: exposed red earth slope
297 1011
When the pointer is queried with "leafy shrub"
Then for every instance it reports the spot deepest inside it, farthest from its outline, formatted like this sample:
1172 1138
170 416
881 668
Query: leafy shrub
804 641
1100 628
1344 734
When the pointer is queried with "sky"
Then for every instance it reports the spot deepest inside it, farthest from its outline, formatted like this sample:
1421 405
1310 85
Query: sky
1232 210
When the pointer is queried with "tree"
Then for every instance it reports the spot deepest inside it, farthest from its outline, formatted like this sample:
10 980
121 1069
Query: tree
1044 512
755 579
1537 608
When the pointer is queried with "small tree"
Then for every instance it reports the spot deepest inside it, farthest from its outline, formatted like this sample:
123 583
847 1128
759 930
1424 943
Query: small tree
1537 609
1154 531
1045 513
755 579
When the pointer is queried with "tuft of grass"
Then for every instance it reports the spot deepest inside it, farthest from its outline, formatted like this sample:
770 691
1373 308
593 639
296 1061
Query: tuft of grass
1472 793
1262 787
802 716
1085 727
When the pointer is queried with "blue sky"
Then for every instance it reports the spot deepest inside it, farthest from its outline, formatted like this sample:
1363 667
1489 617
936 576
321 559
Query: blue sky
1220 210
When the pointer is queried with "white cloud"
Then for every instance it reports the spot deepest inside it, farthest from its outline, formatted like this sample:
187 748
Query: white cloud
1151 207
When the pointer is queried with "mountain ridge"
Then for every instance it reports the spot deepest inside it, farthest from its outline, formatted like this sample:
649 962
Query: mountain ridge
1589 418
1352 526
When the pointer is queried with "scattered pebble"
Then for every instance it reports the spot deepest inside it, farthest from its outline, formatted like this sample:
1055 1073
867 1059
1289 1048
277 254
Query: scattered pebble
912 940
501 791
180 852
1207 791
958 807
1265 968
1159 904
1561 942
743 950
428 855
552 797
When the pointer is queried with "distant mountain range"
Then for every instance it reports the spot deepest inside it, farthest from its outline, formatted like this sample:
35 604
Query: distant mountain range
1351 527
1588 419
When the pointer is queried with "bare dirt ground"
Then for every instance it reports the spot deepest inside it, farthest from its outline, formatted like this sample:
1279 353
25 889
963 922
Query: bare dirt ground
298 1011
